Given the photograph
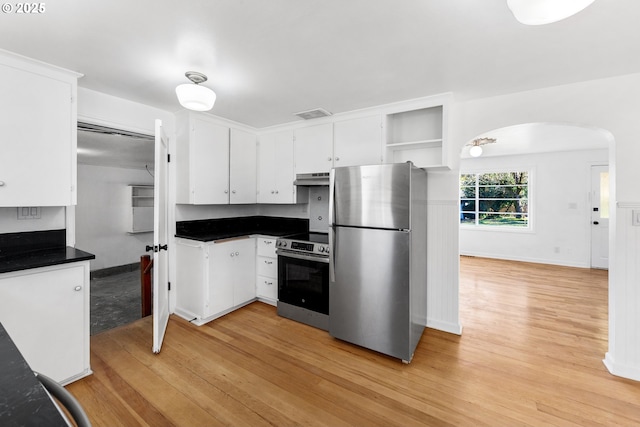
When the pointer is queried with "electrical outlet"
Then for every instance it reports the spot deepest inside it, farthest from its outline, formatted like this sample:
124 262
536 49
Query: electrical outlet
29 213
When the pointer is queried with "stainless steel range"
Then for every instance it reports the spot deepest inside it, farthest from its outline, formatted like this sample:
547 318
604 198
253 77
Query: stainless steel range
303 278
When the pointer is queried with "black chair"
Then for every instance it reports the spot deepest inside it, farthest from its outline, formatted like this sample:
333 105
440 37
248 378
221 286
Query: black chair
66 399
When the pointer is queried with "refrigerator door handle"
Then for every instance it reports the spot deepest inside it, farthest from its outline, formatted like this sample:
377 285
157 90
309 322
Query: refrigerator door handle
332 178
332 255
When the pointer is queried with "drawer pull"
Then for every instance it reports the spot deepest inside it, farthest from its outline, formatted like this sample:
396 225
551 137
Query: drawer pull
268 242
268 262
268 283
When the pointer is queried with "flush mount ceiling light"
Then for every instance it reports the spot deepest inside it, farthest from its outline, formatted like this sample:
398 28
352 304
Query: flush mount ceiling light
476 149
540 12
193 96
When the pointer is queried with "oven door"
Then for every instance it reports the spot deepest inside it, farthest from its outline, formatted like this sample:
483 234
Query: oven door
303 281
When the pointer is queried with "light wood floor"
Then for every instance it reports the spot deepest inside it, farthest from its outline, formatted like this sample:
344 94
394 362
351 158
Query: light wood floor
530 354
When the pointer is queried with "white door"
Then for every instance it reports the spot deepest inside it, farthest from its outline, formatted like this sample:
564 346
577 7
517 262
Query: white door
600 217
160 239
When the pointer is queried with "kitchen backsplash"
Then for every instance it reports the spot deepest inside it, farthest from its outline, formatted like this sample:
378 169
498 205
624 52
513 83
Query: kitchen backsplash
319 208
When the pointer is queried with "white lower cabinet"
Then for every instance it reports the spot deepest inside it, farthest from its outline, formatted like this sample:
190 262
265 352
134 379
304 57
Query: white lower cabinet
267 270
46 313
214 278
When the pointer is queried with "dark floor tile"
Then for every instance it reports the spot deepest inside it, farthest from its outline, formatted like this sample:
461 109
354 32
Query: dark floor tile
115 301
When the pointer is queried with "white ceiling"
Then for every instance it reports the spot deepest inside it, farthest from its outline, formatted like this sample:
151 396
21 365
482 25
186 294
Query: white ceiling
269 59
114 150
534 138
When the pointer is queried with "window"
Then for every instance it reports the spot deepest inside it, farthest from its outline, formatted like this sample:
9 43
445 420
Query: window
495 199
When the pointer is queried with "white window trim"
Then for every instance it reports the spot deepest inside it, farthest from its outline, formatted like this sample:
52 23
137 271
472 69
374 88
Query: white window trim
531 197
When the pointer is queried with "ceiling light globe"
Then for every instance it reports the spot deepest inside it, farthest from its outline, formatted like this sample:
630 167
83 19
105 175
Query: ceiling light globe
475 151
540 12
195 97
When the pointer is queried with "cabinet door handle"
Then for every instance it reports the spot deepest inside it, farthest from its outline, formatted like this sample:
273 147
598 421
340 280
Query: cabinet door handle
233 192
1 183
231 254
77 288
237 254
272 192
268 283
329 159
276 191
226 191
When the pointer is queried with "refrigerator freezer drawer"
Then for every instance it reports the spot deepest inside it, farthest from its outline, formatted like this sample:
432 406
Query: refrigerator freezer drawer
369 292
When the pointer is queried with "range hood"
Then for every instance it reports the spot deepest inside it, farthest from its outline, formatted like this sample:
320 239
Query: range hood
311 179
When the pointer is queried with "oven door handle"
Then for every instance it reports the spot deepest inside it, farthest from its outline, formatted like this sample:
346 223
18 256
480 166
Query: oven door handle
286 254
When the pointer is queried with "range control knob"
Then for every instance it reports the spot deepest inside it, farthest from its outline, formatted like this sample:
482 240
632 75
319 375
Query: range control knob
321 249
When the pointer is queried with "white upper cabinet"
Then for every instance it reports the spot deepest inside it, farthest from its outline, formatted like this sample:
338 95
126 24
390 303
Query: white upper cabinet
358 141
351 142
38 118
242 167
202 156
314 149
275 168
211 169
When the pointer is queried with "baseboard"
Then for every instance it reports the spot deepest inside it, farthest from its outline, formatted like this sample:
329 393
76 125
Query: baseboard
526 259
630 372
118 269
452 328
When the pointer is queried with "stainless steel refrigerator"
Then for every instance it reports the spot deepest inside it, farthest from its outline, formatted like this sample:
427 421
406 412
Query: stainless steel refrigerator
378 257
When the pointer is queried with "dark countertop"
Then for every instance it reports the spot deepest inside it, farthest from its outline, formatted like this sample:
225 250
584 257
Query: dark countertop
42 258
33 249
23 400
224 228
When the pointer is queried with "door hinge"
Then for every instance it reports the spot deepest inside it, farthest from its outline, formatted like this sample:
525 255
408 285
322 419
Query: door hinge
169 283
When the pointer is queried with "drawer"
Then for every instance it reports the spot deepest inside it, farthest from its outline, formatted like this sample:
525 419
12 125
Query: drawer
267 266
266 247
267 287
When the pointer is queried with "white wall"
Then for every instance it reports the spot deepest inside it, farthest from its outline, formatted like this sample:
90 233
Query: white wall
101 215
560 215
51 218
